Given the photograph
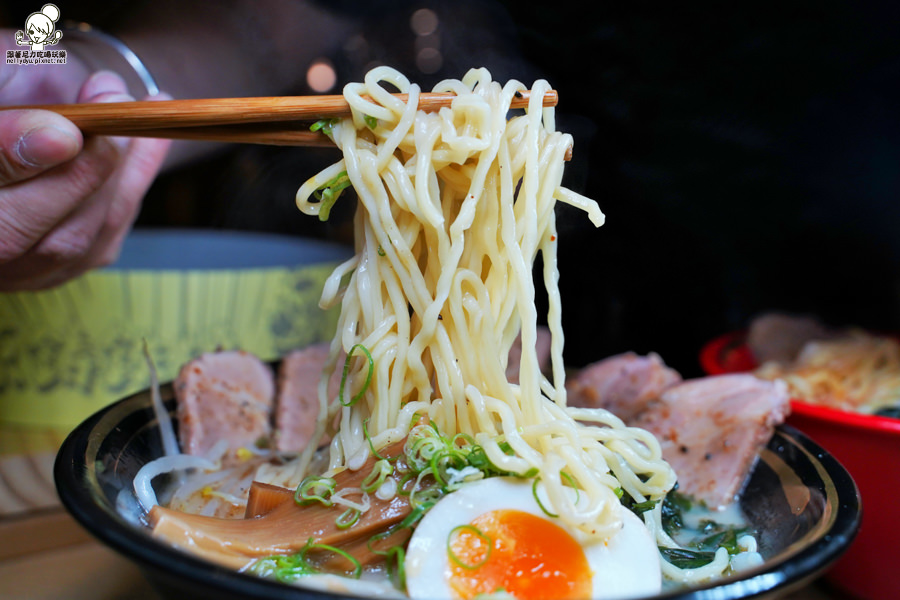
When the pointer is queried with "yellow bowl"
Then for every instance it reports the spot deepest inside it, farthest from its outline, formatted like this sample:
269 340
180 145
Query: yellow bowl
69 351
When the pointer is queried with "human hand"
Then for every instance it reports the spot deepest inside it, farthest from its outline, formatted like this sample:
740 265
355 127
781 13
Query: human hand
66 202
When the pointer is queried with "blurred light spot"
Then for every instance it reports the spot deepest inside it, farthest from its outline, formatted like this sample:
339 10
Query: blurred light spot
356 47
427 41
429 60
321 76
424 21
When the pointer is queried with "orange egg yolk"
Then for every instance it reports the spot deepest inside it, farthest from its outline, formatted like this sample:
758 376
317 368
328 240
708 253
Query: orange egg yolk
527 556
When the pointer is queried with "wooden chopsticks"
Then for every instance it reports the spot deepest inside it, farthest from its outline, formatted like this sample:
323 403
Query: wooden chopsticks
292 133
280 120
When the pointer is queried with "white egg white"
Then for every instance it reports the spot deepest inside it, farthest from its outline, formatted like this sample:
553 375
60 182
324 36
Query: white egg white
623 566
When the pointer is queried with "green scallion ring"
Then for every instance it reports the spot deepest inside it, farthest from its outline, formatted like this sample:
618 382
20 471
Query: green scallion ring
478 533
534 492
347 519
346 373
309 491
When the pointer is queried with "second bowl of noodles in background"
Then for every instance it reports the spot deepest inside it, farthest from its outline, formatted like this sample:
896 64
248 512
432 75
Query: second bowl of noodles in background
868 445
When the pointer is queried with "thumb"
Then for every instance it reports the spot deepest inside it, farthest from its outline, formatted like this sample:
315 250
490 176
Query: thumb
32 141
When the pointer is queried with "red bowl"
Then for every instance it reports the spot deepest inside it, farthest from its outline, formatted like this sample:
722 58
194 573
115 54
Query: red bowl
869 448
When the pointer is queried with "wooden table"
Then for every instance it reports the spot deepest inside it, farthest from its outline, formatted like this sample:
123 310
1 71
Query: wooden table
47 555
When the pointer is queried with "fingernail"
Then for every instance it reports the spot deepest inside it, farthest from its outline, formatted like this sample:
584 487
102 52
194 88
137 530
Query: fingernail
112 97
102 82
46 146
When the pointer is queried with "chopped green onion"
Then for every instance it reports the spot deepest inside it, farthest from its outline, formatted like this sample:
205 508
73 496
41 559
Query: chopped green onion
329 192
372 445
442 461
532 472
403 481
346 372
427 449
467 441
310 545
417 513
572 484
478 458
394 553
486 539
397 555
424 494
347 519
315 489
371 121
283 568
381 470
325 125
534 492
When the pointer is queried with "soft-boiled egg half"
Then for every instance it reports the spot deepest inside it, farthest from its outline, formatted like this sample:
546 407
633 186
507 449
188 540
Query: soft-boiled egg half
492 537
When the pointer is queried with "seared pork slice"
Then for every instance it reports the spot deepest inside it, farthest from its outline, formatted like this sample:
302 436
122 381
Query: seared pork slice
711 430
624 384
297 405
223 396
515 354
779 337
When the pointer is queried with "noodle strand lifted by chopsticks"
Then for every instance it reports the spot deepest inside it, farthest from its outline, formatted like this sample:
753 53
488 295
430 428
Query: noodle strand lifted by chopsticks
453 209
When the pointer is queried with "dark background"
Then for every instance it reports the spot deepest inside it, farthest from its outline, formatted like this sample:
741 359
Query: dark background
746 156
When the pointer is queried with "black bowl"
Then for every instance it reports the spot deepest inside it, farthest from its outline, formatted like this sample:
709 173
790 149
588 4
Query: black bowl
802 502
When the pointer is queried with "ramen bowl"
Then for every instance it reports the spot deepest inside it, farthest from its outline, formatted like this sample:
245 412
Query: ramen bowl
869 448
801 501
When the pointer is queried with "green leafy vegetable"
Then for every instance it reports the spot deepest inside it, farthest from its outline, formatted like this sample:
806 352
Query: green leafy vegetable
686 559
721 536
674 506
702 549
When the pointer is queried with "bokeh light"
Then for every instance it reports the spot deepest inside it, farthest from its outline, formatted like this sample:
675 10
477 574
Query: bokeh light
321 76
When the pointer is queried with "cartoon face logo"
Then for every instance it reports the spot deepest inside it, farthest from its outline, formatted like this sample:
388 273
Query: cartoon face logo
40 29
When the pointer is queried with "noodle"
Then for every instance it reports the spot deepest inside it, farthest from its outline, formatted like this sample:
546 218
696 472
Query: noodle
856 372
453 209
